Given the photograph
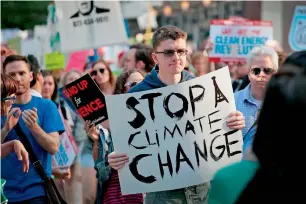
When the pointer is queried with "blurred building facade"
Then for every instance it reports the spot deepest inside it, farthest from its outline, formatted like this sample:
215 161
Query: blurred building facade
194 16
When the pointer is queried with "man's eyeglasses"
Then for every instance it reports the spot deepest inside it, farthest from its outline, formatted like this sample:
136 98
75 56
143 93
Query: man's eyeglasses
13 98
170 53
268 71
95 72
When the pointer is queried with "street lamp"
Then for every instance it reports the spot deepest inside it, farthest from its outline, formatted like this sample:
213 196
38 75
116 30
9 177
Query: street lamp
185 5
167 10
206 3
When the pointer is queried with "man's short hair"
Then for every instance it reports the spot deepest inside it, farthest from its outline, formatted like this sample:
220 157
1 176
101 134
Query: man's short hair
139 46
263 51
166 33
34 67
15 58
145 55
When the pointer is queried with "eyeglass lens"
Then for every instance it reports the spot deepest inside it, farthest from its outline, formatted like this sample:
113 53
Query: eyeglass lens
170 53
95 72
267 71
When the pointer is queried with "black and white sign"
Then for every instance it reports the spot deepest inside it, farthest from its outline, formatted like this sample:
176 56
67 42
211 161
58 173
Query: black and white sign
175 136
90 24
85 98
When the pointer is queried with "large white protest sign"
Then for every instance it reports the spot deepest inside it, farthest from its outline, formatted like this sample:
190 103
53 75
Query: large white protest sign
297 35
234 39
175 136
90 24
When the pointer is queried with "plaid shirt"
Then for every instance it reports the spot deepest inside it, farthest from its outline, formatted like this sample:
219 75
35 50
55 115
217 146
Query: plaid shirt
248 106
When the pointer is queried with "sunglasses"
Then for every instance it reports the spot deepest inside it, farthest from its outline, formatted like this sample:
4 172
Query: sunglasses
95 72
268 71
13 98
170 53
131 84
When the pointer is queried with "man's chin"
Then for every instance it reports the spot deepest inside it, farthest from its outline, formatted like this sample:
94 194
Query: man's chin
18 93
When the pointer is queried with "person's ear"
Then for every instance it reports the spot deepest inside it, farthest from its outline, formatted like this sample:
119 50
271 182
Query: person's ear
31 76
249 74
140 65
154 57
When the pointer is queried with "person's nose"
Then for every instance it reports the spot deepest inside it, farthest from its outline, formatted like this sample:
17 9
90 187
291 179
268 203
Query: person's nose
176 57
17 78
262 74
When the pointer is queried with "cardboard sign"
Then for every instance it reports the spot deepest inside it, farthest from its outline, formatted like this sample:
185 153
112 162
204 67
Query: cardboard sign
54 60
297 35
68 149
89 24
77 61
175 136
234 39
86 99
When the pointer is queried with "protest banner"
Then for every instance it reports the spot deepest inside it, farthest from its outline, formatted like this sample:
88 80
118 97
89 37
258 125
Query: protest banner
297 35
77 61
89 24
68 149
54 60
86 99
233 39
175 136
14 44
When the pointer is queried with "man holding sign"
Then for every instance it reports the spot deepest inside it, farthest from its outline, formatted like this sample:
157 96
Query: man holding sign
169 44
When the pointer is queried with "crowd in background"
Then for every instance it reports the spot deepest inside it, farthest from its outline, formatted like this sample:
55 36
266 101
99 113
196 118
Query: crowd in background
272 122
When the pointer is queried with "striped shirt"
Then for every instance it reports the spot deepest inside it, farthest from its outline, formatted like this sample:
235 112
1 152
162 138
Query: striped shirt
248 106
113 194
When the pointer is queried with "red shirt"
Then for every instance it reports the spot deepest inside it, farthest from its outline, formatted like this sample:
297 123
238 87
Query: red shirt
113 194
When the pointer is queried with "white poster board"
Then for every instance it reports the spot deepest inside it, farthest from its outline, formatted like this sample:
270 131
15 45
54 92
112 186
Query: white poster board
297 35
234 39
89 24
172 125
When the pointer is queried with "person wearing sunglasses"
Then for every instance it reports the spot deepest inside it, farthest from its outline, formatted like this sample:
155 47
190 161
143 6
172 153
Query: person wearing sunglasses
127 80
8 90
170 55
103 76
262 65
109 186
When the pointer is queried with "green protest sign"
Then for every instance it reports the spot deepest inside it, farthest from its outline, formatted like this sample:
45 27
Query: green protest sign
54 60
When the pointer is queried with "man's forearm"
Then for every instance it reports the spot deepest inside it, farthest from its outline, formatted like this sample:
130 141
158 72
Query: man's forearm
48 142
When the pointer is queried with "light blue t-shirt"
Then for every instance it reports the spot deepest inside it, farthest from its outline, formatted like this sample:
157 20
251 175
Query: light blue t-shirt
22 186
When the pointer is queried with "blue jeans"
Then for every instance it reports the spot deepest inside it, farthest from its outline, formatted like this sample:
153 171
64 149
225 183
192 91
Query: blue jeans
37 200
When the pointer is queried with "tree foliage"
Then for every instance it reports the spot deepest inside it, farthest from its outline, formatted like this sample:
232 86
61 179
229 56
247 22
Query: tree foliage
23 14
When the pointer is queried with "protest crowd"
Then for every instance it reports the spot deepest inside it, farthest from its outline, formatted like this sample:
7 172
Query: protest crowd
118 136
